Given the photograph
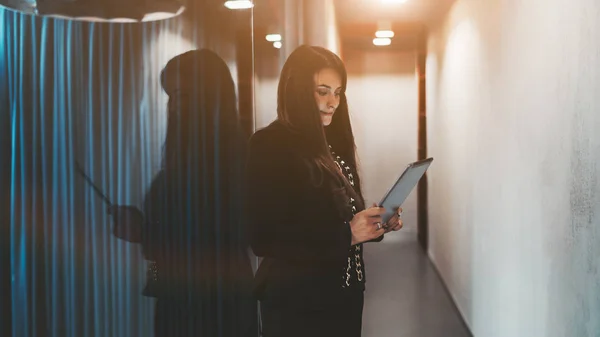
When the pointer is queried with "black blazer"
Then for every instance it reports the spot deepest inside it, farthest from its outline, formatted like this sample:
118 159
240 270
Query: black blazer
292 222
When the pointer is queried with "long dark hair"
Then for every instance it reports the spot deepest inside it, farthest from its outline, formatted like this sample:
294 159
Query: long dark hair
298 110
202 113
203 153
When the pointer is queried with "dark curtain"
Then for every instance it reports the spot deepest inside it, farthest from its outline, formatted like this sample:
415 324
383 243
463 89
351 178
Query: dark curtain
87 93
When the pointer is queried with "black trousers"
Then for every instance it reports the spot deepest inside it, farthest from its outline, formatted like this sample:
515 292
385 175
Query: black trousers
195 319
282 318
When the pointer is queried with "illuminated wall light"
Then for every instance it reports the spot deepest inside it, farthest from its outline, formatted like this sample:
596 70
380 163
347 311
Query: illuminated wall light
273 37
382 41
393 1
384 33
239 4
277 44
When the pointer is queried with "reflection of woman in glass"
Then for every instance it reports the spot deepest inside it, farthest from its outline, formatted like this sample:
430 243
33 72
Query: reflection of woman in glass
201 273
306 212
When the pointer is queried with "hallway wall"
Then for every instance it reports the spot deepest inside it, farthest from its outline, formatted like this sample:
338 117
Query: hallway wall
512 125
382 98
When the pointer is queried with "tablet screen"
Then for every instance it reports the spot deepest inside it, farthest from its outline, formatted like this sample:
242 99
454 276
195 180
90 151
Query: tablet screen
396 196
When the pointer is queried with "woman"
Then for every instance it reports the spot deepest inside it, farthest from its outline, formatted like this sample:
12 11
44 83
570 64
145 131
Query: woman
306 211
201 274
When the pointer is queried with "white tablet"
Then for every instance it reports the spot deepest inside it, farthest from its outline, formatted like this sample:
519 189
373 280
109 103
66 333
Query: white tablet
396 196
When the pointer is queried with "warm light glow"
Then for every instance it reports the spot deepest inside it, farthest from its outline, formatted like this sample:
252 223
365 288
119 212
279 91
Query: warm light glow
382 41
393 1
384 33
273 37
90 18
161 15
239 4
74 11
277 44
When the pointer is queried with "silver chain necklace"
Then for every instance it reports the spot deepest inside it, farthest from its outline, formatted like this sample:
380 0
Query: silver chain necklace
357 261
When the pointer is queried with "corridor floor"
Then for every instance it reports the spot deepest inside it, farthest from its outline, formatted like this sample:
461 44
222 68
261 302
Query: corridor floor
405 296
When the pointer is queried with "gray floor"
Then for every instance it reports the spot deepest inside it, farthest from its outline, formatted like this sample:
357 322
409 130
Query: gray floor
405 297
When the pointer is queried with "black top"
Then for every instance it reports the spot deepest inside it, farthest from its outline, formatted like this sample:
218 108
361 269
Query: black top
200 271
296 223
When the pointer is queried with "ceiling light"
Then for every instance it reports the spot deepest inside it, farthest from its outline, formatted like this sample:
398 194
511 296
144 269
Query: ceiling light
98 10
382 41
384 33
277 44
273 37
159 16
239 4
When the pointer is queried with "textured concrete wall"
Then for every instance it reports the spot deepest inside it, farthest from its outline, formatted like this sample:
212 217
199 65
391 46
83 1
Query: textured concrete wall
513 122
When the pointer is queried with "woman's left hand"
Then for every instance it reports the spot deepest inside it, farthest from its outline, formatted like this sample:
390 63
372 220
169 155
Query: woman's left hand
395 222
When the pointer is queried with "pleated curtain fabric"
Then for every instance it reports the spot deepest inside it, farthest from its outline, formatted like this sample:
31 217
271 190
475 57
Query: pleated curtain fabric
88 93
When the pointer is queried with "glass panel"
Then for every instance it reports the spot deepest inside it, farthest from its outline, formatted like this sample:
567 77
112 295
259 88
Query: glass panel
122 148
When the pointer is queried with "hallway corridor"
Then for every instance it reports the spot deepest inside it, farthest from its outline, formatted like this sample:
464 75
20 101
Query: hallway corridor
421 306
503 94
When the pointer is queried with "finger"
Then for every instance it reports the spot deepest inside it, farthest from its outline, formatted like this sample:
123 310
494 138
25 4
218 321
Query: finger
374 211
392 221
378 229
392 224
399 225
378 225
376 219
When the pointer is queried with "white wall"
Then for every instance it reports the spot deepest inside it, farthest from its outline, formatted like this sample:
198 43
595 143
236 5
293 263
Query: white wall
512 120
383 100
265 91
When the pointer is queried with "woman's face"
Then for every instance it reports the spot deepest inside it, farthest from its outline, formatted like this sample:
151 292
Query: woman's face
328 88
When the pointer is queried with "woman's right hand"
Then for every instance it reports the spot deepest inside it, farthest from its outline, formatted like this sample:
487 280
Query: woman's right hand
128 222
364 225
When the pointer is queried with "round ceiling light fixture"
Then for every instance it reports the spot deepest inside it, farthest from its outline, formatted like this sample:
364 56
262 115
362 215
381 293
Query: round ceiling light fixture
239 4
382 41
273 37
99 10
